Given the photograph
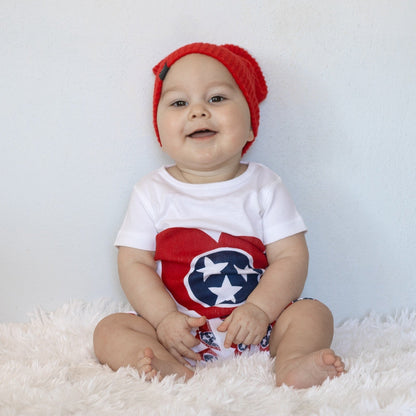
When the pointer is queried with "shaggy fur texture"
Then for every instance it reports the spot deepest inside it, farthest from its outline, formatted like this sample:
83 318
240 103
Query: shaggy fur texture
48 367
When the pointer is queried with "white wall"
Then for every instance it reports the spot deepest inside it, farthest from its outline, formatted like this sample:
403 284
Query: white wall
76 134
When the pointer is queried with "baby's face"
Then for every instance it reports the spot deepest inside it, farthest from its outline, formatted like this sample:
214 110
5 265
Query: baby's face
203 117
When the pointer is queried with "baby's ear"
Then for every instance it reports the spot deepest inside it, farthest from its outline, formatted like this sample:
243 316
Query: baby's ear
250 135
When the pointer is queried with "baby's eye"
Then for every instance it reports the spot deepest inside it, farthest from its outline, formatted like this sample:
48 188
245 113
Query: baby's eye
179 103
216 99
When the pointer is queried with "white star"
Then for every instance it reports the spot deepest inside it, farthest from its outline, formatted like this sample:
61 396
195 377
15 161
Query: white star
225 292
244 272
211 268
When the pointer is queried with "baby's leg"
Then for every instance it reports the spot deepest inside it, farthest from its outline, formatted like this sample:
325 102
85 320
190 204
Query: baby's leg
124 339
300 340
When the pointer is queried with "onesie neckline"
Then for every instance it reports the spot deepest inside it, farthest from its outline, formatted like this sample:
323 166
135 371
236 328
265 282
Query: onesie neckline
230 183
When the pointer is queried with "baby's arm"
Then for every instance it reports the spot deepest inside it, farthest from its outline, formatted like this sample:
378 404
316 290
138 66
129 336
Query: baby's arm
284 278
282 282
148 296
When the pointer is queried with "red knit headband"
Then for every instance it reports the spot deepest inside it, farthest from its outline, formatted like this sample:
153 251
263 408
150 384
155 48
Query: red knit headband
242 66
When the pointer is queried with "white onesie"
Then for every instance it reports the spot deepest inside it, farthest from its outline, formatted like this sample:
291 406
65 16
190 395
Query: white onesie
209 239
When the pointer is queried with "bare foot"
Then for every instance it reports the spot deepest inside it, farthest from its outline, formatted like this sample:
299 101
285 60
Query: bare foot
151 366
309 370
144 364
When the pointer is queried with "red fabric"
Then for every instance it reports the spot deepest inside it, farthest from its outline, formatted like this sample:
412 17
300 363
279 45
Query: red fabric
179 248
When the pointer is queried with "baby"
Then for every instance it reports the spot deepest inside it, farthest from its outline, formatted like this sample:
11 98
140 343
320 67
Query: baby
212 253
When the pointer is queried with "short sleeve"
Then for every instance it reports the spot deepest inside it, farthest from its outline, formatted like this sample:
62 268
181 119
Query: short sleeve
280 216
137 230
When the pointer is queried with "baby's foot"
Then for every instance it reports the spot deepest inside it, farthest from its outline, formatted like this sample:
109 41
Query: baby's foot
150 366
309 370
144 364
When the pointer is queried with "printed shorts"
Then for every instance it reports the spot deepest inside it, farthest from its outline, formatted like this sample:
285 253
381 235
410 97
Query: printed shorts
211 346
211 341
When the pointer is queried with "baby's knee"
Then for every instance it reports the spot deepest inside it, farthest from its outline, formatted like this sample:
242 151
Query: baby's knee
306 310
103 332
314 308
317 315
323 310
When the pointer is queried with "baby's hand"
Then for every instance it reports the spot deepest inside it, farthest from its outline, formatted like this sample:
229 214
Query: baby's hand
247 325
174 332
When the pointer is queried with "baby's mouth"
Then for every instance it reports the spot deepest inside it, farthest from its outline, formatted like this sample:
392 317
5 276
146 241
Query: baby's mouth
200 134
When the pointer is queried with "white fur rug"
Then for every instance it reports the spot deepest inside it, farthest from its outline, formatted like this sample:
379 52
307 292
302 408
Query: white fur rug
47 367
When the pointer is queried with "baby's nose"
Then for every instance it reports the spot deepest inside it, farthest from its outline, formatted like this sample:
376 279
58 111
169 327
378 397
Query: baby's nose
198 111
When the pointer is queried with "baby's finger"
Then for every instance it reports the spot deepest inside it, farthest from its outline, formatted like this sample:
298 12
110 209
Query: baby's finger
252 339
257 340
224 325
183 348
177 355
242 337
230 338
196 322
190 341
188 353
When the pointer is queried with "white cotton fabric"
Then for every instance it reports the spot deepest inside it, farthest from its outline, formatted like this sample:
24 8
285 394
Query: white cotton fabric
255 204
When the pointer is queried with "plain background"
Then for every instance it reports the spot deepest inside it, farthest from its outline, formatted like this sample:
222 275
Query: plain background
76 134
